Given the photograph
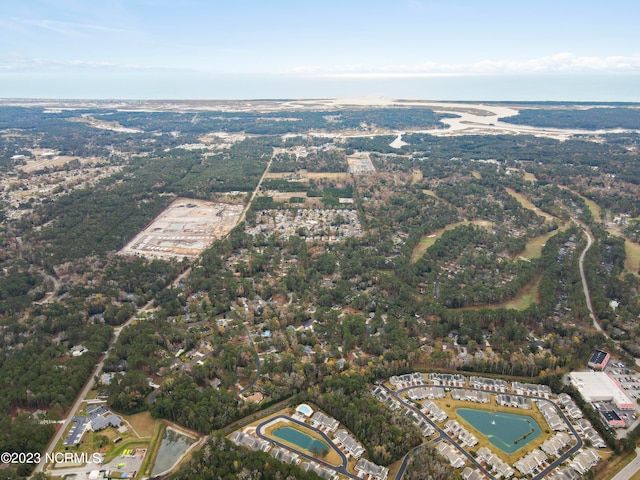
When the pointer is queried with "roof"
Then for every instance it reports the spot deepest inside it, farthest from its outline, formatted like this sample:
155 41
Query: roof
599 387
598 357
610 415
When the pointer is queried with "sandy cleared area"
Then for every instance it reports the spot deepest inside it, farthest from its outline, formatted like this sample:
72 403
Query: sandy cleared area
45 158
473 118
184 229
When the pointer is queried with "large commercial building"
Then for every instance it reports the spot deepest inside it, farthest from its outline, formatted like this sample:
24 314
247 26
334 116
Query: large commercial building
599 387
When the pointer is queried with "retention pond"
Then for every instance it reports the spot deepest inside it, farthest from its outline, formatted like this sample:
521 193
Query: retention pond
507 431
302 440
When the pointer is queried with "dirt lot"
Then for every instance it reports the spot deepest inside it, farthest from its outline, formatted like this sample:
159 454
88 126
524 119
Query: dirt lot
185 229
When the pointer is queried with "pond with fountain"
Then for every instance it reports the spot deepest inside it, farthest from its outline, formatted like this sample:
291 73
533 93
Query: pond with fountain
507 431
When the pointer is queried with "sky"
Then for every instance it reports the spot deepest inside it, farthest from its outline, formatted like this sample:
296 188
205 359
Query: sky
449 49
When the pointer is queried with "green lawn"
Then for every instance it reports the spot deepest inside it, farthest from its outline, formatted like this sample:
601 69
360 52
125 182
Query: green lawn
427 240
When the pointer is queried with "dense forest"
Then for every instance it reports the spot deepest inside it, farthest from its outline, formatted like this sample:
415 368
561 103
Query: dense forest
592 118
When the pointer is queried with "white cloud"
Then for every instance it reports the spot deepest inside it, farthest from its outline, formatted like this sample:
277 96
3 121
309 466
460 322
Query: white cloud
61 27
559 63
15 63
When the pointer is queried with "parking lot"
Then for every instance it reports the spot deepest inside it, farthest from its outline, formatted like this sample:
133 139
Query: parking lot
627 378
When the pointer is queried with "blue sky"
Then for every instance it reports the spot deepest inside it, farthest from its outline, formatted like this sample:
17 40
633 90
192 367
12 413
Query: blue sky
143 48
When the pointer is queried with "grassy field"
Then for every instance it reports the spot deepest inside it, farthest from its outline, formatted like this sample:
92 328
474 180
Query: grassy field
476 175
530 177
631 250
526 203
632 260
595 209
525 298
535 245
416 176
427 240
608 470
143 423
431 193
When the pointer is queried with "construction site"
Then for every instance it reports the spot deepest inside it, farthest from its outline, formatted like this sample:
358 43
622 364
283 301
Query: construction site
184 229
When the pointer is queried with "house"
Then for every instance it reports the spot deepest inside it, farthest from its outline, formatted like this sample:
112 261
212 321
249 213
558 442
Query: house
488 384
455 458
554 445
350 444
471 474
515 401
78 350
565 474
285 456
528 464
498 465
447 379
377 472
322 472
432 410
420 393
324 422
583 462
245 440
408 380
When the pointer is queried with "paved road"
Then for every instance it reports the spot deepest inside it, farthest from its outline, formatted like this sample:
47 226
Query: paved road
630 470
443 435
116 333
255 192
87 388
342 468
585 286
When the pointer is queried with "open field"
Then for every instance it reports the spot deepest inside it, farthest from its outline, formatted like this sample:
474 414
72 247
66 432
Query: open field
631 250
530 177
632 260
143 423
526 203
595 209
284 196
525 298
416 176
534 246
184 229
427 240
45 159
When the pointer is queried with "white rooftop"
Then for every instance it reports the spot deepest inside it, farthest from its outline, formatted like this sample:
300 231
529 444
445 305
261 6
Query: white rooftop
599 387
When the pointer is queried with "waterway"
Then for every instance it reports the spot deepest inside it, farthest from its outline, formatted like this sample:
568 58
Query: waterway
507 431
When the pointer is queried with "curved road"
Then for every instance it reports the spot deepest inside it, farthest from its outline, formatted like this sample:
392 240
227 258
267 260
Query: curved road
585 286
342 468
443 435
